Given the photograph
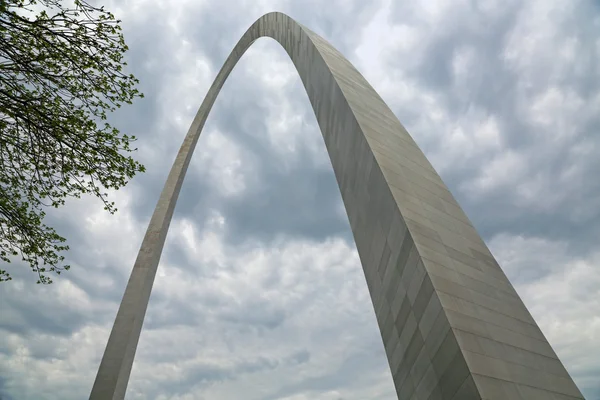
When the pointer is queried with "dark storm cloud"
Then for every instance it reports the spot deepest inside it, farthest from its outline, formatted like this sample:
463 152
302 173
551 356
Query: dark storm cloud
257 314
22 315
253 315
206 374
89 257
4 395
344 379
295 199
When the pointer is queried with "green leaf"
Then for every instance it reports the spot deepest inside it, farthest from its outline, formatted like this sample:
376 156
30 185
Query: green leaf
58 78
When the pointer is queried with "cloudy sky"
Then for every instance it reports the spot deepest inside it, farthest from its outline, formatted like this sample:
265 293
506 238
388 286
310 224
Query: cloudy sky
260 293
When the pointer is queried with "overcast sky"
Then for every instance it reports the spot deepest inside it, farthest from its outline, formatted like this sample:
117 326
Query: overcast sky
260 293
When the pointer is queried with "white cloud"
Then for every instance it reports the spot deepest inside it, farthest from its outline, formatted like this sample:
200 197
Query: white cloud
562 294
492 90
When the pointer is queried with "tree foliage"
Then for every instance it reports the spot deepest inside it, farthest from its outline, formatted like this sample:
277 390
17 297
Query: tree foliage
61 72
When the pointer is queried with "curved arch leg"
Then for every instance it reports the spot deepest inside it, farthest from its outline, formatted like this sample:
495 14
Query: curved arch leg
452 325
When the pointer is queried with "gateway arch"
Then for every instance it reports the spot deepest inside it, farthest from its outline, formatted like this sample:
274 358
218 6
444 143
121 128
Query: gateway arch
452 325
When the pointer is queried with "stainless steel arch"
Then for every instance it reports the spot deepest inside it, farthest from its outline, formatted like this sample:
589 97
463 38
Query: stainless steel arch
452 325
